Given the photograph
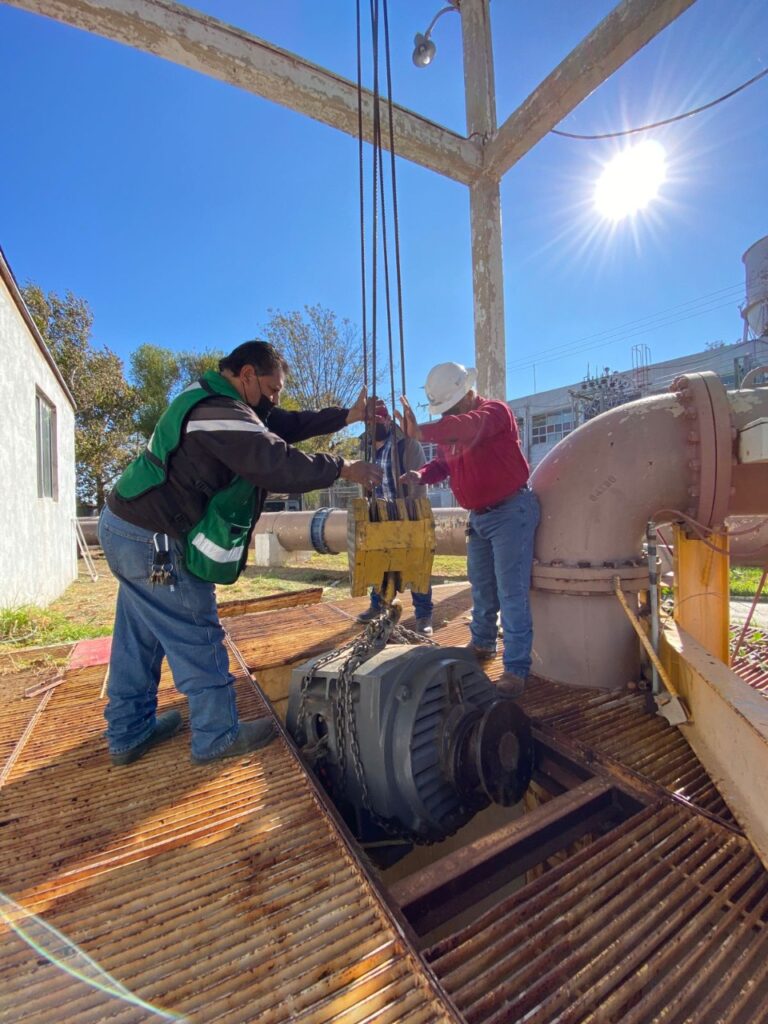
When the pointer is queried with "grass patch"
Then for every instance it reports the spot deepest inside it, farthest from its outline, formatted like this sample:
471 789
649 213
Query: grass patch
87 607
744 582
31 626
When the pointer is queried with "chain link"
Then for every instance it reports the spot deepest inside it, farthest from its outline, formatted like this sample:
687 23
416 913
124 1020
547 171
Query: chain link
376 635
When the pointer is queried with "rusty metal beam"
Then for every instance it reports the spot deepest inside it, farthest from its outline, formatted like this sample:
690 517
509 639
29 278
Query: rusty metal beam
619 36
437 893
204 44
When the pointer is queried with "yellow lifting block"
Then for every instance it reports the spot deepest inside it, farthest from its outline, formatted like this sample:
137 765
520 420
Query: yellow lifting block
405 545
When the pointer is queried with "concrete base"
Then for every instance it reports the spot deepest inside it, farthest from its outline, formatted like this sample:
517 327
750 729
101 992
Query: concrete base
269 553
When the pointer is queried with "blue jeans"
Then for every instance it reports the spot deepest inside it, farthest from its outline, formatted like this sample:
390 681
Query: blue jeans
179 621
422 603
499 560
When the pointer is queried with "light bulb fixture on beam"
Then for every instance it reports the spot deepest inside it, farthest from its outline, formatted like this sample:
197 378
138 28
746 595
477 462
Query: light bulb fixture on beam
423 48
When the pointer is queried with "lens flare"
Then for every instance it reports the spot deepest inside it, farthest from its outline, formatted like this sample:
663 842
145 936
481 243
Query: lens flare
631 180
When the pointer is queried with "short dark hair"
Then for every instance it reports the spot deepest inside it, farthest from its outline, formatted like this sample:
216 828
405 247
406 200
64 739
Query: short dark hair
262 356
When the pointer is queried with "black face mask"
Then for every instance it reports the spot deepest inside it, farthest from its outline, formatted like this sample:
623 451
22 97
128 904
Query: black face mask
263 408
381 431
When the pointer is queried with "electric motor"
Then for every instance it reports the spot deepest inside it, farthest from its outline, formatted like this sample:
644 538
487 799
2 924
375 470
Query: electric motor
413 743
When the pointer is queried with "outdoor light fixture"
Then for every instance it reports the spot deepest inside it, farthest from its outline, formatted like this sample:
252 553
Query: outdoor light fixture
423 48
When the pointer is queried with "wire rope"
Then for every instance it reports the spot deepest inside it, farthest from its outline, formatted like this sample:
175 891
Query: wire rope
381 216
368 422
667 120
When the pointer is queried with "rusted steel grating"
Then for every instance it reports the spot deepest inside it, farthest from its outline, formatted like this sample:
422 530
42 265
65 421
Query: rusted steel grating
243 889
750 662
664 918
223 893
616 724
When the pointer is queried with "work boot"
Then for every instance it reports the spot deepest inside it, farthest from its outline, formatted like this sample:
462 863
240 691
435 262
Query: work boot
369 614
424 625
510 685
481 653
165 726
251 736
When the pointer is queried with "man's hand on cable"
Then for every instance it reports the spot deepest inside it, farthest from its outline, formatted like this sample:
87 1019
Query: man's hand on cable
411 479
367 408
365 473
407 420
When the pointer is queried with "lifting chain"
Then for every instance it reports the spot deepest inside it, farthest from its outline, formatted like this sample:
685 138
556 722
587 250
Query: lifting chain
376 635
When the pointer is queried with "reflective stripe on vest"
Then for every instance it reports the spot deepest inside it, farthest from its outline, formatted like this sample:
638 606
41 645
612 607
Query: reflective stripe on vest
216 553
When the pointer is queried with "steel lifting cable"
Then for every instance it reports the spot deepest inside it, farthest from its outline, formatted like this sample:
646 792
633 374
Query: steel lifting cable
378 207
368 437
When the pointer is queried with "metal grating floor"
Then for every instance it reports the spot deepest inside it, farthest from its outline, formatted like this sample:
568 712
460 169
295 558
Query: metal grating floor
752 661
230 893
661 919
221 893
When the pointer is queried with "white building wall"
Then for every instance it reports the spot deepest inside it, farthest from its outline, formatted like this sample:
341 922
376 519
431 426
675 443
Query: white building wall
38 553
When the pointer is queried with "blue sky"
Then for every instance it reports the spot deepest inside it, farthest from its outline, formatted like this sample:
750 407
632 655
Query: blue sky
183 209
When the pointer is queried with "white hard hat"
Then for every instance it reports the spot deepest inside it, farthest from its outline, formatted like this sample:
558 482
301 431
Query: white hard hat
447 383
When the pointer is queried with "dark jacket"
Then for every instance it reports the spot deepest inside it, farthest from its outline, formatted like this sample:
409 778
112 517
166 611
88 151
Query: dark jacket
224 438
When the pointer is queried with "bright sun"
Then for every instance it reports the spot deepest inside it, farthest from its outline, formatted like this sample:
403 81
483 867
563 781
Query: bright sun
631 180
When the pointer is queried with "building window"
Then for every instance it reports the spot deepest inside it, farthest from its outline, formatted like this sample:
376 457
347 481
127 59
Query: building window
548 428
45 425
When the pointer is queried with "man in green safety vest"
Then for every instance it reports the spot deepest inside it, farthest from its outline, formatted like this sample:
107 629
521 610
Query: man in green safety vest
180 520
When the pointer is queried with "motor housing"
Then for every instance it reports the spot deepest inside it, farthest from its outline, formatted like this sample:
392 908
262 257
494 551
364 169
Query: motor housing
435 742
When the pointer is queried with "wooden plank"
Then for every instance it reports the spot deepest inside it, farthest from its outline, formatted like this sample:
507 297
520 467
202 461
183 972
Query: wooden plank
620 35
201 43
267 602
702 590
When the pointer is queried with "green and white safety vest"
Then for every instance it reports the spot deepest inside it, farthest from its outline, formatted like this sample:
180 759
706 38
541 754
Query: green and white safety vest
216 547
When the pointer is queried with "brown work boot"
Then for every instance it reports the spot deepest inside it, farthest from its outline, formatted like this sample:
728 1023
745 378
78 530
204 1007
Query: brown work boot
510 685
481 653
251 736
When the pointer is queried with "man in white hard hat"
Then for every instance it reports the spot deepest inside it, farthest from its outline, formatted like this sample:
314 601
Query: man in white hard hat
479 449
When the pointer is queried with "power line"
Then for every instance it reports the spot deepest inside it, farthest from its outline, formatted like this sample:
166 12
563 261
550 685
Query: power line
667 120
638 332
641 323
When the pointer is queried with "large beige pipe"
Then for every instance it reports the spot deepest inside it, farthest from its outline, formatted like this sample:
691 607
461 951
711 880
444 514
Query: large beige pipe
598 488
749 539
326 530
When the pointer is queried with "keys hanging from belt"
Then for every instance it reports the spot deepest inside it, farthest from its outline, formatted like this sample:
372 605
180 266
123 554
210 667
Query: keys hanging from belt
162 565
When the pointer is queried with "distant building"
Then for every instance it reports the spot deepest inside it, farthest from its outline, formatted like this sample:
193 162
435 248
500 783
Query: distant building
38 552
547 417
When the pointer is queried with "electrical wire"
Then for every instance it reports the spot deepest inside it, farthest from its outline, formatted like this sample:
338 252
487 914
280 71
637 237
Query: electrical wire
667 120
619 332
637 332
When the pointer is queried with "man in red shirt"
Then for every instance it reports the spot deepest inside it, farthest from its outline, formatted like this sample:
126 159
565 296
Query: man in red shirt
479 449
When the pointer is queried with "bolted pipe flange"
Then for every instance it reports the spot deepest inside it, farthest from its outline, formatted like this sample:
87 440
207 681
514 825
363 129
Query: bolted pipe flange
705 399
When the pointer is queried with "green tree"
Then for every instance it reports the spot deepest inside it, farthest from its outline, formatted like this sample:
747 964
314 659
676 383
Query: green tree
106 403
325 357
192 365
155 374
158 374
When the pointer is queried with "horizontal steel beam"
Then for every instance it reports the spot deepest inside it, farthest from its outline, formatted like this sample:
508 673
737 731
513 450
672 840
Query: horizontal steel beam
445 888
204 44
619 36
